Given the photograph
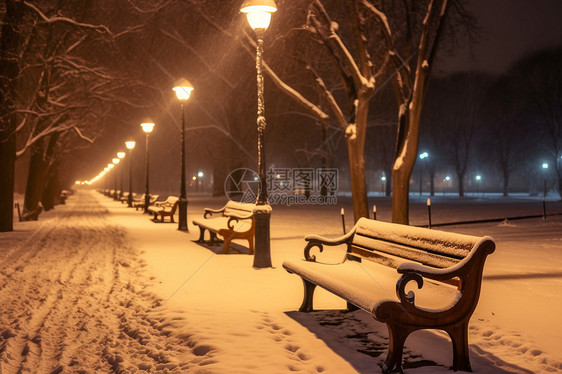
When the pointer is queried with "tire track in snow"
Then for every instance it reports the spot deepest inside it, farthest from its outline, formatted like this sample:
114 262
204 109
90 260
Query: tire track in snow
75 300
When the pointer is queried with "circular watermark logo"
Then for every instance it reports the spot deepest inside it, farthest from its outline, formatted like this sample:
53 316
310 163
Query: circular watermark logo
242 185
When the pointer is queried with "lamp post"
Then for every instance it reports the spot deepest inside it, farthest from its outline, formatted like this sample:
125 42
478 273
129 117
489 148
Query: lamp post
422 157
115 162
147 127
478 178
121 155
183 91
130 144
544 169
258 13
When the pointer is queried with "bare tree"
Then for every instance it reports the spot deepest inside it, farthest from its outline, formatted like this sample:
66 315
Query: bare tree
539 77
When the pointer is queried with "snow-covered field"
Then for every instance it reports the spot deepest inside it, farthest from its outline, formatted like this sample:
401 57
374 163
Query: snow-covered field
95 287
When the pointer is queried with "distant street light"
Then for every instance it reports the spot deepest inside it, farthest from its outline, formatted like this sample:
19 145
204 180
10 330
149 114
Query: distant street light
121 155
258 13
130 145
422 157
147 127
183 92
115 194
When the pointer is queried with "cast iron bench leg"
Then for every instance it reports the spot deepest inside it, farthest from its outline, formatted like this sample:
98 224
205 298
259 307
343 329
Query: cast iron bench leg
308 294
396 337
459 337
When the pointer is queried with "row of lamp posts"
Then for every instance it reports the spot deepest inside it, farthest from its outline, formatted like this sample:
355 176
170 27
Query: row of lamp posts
258 13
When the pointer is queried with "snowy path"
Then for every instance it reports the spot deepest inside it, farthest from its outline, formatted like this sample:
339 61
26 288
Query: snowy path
95 287
73 300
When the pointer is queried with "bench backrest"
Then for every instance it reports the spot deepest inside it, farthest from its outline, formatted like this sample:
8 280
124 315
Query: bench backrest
171 200
240 209
392 244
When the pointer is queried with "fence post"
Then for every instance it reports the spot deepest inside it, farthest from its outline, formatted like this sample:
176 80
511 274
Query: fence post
343 220
429 211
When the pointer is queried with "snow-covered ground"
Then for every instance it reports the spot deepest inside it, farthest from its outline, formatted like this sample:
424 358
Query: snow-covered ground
96 287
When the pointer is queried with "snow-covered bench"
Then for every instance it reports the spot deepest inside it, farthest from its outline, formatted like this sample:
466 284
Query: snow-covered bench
236 221
447 268
139 203
166 208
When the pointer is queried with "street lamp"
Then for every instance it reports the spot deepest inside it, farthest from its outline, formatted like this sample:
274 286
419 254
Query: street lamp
258 13
422 156
130 145
115 162
183 91
147 127
121 155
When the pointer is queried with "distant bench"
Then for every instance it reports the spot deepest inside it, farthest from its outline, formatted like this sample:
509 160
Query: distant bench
233 221
395 255
139 203
165 208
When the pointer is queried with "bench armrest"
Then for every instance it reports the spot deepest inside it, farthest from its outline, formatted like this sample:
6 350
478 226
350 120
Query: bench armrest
210 212
236 218
320 241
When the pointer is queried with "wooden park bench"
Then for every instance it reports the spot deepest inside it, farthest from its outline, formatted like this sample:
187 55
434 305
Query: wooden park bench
233 221
165 208
381 259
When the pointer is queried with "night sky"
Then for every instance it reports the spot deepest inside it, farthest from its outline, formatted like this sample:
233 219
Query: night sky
509 29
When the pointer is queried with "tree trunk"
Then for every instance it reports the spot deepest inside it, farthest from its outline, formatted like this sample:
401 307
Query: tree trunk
388 186
35 180
9 71
505 183
460 184
52 189
432 182
357 175
406 155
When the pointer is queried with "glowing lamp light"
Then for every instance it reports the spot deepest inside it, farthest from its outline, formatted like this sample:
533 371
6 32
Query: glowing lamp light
478 178
545 165
194 177
258 13
130 144
121 155
116 160
183 89
447 178
110 166
383 179
200 174
424 155
147 126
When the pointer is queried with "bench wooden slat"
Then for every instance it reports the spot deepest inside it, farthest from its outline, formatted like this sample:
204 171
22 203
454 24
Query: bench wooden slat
451 244
372 245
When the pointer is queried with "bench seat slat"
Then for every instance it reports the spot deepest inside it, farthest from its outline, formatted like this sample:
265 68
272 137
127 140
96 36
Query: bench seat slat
424 257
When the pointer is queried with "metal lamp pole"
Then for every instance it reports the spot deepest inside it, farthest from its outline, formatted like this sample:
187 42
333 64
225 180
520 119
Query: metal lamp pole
258 13
115 194
121 156
183 92
147 127
130 145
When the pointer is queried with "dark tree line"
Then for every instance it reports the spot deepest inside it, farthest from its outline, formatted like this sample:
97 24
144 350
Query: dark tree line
509 124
